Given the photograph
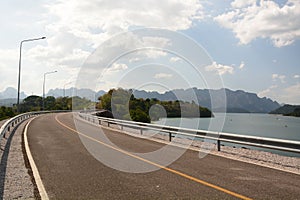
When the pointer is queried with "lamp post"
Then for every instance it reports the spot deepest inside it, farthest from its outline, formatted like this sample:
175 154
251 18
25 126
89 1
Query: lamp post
44 84
19 76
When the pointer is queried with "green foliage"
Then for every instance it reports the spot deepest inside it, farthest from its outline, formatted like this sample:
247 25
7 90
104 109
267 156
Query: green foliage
6 112
139 116
124 105
35 103
288 110
295 113
31 103
78 103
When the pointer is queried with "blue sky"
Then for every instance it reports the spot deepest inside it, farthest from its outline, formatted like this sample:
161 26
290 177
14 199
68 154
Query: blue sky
253 45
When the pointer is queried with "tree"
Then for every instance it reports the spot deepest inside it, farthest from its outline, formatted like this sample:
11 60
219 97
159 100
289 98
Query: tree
6 112
139 116
49 103
124 105
31 103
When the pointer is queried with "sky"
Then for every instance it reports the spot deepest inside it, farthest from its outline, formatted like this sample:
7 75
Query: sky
238 44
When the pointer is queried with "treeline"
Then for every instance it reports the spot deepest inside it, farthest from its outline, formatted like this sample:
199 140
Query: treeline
295 113
35 103
288 110
124 105
6 112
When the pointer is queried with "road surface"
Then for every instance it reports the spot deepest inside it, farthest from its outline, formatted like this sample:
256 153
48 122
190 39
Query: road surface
69 171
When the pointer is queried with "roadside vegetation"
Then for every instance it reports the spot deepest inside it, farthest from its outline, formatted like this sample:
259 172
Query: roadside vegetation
6 112
35 103
124 105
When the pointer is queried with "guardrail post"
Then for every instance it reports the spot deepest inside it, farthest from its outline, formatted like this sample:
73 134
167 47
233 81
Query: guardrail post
170 136
99 122
219 145
141 131
122 127
107 124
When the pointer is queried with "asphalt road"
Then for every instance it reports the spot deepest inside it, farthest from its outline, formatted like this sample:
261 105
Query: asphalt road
69 170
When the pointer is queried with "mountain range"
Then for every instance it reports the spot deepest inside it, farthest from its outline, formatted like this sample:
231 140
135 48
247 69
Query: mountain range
9 97
11 93
236 101
87 93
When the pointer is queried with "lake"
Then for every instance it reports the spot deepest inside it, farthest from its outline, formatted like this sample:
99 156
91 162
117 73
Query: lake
264 125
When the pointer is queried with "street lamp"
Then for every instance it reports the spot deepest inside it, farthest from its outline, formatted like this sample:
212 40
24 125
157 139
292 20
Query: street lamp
19 77
44 87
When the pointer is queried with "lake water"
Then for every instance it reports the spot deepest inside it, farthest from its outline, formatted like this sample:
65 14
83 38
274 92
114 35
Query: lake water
264 125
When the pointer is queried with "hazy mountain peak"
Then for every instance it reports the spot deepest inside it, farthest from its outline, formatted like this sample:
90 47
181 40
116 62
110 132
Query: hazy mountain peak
11 93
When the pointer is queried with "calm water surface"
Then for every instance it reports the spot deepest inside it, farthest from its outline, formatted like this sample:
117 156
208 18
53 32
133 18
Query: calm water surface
264 125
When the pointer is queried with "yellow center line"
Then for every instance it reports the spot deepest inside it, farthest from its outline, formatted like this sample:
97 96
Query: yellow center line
155 164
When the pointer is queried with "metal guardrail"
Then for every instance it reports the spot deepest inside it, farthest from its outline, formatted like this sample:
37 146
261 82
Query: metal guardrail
262 142
12 122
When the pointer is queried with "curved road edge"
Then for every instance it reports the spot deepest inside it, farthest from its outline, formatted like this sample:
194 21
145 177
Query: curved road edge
263 163
36 175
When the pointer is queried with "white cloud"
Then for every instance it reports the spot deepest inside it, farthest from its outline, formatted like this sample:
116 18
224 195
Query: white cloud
86 24
113 16
283 94
296 76
163 76
268 92
134 59
276 77
219 68
117 67
8 68
242 3
75 28
242 65
174 59
265 19
291 94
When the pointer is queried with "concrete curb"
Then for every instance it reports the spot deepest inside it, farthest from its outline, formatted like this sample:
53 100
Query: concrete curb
36 175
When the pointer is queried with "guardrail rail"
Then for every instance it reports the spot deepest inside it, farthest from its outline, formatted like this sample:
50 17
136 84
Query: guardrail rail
219 137
12 122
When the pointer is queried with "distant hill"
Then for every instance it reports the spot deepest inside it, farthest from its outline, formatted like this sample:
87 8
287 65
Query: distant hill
11 93
237 101
286 110
8 97
8 102
87 93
